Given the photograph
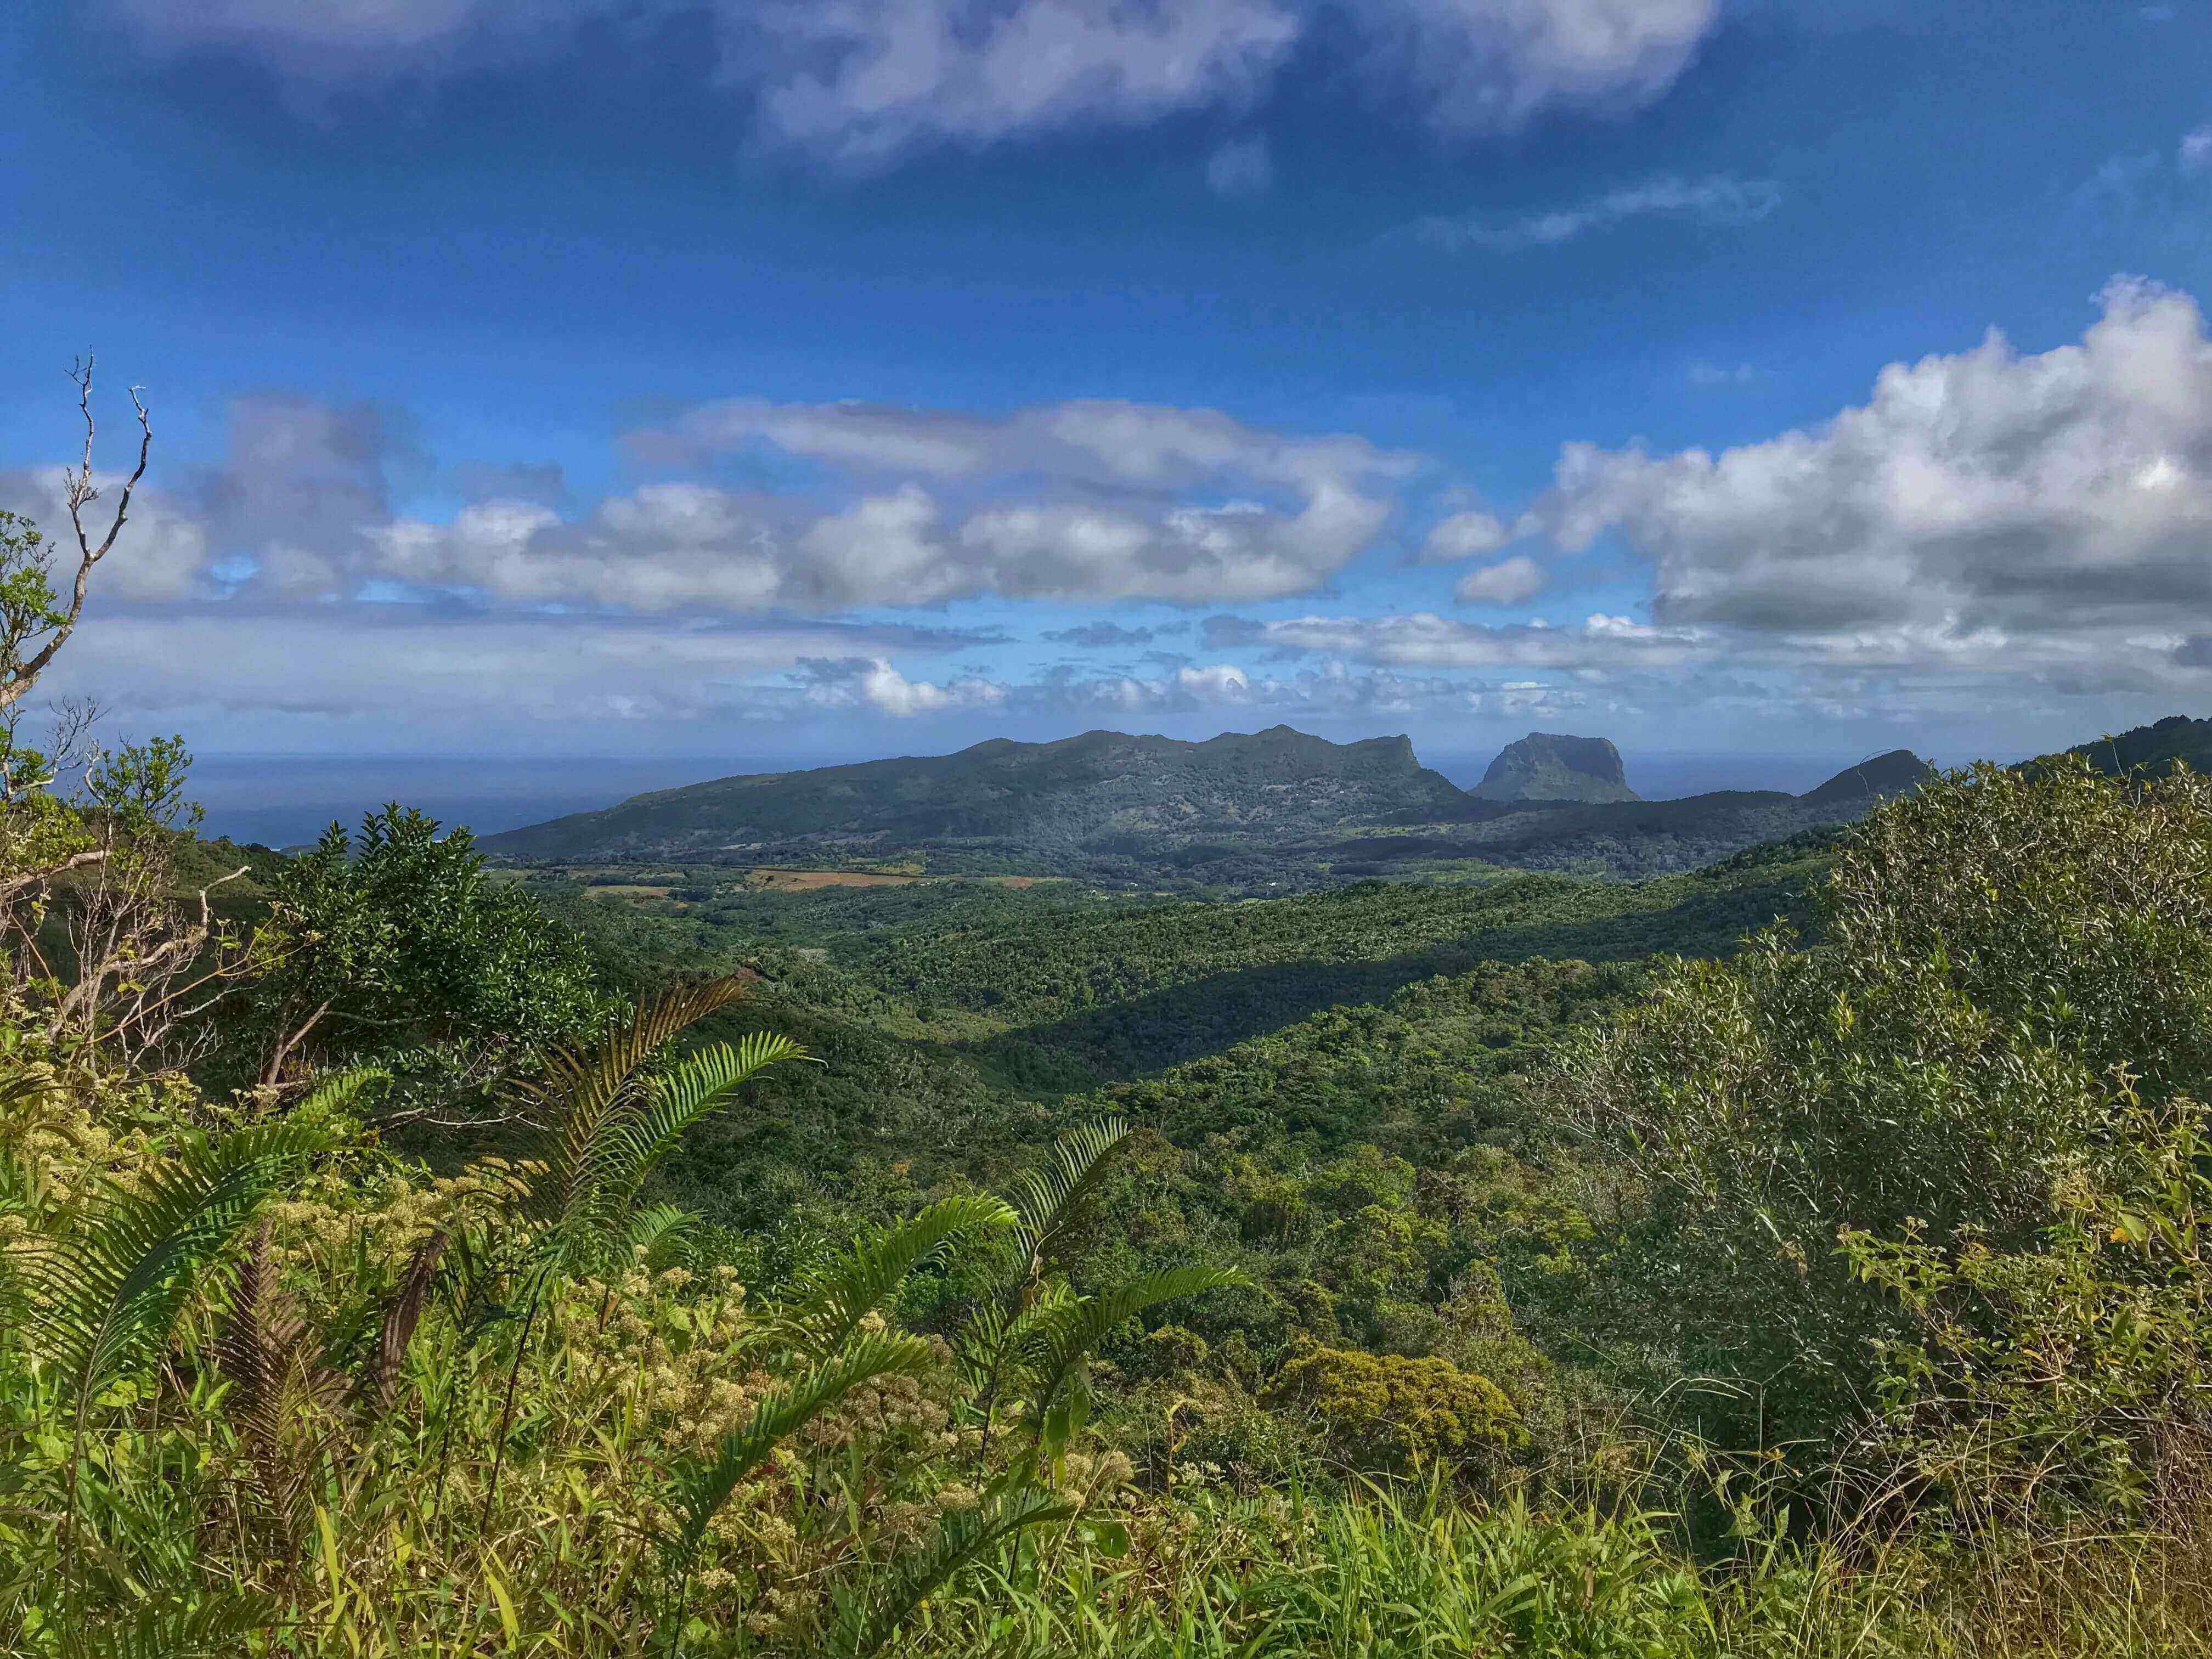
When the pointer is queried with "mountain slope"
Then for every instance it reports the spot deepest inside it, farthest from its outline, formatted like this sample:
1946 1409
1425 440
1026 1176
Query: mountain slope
2153 749
1042 806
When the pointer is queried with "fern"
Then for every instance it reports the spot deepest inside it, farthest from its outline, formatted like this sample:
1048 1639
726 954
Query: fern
105 1292
1064 1340
662 1231
829 1300
583 1092
215 1627
961 1539
1054 1201
378 1386
280 1396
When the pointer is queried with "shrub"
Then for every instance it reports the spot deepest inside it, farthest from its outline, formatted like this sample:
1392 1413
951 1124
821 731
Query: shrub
1388 1411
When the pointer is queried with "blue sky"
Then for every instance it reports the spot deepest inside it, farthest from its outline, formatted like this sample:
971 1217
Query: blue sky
759 379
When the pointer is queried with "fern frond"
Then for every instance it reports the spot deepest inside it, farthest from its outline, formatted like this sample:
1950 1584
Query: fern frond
829 1300
961 1539
1066 1338
995 1332
378 1383
700 1491
338 1094
636 1136
280 1396
582 1088
171 1628
104 1292
660 1230
1055 1199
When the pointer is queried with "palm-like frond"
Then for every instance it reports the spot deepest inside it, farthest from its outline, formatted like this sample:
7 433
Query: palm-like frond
339 1093
961 1539
214 1627
582 1088
660 1230
107 1291
646 1128
280 1394
1054 1201
829 1300
995 1332
701 1490
1066 1338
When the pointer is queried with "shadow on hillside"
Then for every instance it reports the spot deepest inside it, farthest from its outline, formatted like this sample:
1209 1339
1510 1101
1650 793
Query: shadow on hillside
1181 1022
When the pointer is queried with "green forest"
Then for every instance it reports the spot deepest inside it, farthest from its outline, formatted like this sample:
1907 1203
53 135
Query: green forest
403 1252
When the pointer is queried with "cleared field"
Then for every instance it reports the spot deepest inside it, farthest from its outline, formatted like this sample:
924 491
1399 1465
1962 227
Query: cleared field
807 881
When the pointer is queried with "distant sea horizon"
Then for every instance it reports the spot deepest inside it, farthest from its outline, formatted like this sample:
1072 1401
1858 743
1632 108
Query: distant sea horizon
285 800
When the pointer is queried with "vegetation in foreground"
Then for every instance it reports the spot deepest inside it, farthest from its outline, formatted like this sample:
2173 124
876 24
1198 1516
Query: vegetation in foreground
1846 1297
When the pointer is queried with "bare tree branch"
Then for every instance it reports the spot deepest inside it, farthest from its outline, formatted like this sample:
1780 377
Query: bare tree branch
80 493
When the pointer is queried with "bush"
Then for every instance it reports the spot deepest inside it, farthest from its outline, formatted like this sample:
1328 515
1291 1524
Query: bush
1388 1411
2015 973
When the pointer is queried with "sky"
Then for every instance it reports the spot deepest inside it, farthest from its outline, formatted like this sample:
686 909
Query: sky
782 380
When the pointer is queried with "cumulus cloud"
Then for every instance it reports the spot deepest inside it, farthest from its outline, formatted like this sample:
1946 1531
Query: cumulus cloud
1081 500
2047 505
863 82
1464 536
162 555
873 684
1718 200
1509 581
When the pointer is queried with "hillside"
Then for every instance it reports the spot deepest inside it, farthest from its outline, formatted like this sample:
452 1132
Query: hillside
1273 811
1043 806
2152 749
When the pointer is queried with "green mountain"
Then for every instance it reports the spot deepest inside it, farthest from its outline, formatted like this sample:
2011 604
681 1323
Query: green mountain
1549 765
1048 807
2153 749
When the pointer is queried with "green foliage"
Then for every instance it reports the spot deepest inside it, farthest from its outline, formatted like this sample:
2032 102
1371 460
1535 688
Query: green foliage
2013 966
1387 1412
398 946
2074 1375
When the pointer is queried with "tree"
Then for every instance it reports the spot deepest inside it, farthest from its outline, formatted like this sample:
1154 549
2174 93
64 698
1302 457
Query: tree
34 622
2010 993
399 946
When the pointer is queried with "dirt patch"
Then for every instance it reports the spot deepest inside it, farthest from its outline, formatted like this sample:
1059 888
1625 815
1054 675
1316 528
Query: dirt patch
615 890
807 881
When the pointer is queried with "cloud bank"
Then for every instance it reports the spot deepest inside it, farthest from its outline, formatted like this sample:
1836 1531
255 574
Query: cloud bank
862 82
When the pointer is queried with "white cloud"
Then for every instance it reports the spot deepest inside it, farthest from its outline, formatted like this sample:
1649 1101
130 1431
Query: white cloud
861 83
1424 640
1242 166
1997 500
1215 682
2196 150
1464 536
1702 374
1718 200
883 688
1082 499
1510 581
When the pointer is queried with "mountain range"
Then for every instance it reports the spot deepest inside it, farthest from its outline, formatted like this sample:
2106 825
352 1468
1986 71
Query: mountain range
1273 808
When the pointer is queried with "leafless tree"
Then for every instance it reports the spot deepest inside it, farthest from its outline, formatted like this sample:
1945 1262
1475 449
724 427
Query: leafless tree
33 624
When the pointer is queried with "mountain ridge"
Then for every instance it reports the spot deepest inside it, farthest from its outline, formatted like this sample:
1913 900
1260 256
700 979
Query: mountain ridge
1260 810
